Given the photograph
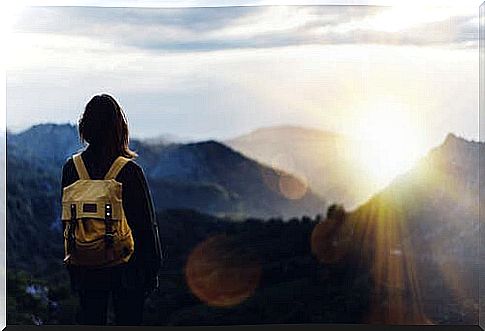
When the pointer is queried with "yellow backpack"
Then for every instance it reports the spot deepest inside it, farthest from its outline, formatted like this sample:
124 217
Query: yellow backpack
97 233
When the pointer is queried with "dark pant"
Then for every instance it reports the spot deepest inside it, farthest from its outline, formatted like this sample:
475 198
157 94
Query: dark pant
127 306
95 288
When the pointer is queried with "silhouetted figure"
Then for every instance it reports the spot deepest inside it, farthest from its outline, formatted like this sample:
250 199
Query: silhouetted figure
104 127
329 239
336 212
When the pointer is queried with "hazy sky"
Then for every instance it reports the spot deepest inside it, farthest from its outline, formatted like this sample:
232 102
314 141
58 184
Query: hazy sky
220 72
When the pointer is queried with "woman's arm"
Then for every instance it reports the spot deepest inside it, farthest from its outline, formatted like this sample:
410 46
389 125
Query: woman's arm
139 210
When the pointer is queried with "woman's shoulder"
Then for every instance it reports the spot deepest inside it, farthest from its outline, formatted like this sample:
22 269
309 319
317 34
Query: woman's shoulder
133 165
132 168
68 163
69 174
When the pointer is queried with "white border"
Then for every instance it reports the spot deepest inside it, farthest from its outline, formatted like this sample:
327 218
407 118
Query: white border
153 4
3 197
481 114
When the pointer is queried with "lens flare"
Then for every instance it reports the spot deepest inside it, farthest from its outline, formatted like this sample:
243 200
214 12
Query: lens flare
222 272
292 188
284 184
381 238
284 161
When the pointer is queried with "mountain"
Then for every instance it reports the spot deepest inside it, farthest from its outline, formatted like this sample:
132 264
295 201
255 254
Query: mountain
206 176
325 160
410 252
164 139
50 144
215 179
420 238
33 215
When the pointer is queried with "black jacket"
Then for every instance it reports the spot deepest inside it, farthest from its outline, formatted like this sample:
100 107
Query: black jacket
144 264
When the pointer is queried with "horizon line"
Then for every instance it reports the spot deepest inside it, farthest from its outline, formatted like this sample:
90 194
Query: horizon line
182 139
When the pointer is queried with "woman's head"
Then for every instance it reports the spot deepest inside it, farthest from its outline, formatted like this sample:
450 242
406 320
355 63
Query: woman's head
103 124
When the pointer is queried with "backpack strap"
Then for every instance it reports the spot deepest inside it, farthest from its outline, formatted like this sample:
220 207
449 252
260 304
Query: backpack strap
116 167
80 167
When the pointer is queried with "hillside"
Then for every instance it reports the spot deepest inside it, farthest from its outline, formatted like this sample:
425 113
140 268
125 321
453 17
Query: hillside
327 161
47 144
420 236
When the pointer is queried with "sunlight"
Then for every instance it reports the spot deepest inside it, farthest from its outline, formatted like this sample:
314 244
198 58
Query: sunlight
409 15
381 232
390 142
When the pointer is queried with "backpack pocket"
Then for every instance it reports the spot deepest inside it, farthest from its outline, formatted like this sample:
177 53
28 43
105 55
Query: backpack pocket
93 249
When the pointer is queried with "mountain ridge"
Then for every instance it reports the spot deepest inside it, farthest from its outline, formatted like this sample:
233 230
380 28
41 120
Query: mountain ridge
207 175
430 217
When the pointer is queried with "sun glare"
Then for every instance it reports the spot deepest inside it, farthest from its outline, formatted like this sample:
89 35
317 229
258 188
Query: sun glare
390 142
408 15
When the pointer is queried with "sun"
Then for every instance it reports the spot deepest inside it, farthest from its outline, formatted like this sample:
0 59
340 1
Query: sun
389 140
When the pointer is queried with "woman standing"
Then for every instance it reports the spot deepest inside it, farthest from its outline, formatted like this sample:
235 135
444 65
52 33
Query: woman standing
104 128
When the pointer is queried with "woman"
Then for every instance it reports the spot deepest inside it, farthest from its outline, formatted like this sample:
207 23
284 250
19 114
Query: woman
104 128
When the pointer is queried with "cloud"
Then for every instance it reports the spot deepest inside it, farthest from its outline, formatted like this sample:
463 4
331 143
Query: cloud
203 72
209 29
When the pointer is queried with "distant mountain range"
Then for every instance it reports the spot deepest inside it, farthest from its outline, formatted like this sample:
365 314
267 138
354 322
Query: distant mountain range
327 161
207 176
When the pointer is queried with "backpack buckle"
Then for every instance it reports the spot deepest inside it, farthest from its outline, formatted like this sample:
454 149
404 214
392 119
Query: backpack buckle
108 238
67 259
108 235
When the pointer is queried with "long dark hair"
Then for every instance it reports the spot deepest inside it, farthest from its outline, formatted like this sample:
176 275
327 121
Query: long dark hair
103 124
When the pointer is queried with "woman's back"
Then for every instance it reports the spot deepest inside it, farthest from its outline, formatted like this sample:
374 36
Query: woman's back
103 126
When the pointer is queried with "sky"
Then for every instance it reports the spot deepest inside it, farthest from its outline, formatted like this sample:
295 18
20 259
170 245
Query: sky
200 73
402 73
